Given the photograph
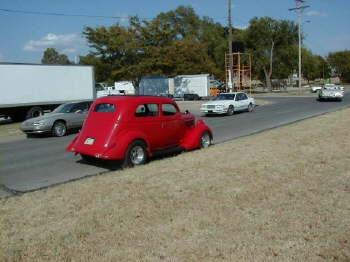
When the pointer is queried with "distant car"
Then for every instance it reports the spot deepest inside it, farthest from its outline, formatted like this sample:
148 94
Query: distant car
331 92
228 103
167 95
191 97
135 128
58 122
315 89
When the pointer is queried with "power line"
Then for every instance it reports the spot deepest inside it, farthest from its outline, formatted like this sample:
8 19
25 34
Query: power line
63 14
88 16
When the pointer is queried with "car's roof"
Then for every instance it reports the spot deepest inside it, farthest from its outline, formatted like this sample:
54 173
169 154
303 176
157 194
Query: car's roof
77 102
134 99
230 93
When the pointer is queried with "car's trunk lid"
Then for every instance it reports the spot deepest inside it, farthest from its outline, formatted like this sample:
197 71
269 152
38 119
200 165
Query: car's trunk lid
96 133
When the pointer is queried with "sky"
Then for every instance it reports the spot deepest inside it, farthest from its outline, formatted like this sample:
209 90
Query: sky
24 37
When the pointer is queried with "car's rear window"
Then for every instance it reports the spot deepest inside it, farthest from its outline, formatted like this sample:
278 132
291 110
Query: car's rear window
105 108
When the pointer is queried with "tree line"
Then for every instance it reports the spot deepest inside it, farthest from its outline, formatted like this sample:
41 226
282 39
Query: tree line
181 42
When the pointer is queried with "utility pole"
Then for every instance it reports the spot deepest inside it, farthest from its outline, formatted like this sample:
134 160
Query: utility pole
230 73
300 9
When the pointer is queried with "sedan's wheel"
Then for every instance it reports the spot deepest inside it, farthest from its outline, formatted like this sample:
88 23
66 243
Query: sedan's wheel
205 140
59 129
136 154
250 107
230 110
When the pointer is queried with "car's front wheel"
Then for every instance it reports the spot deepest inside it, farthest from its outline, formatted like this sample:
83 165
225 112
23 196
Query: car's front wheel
59 129
250 107
205 140
136 154
230 110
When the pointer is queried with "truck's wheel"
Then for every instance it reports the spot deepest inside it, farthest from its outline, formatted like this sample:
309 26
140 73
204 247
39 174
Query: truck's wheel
205 140
35 112
136 154
230 110
59 129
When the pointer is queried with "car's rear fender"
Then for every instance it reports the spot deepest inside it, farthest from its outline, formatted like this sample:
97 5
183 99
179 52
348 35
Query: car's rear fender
117 149
70 148
192 136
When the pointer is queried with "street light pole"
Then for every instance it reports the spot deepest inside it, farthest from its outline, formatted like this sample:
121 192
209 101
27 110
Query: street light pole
230 56
300 10
299 37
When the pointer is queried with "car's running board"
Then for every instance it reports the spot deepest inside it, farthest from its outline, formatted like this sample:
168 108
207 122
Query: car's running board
171 150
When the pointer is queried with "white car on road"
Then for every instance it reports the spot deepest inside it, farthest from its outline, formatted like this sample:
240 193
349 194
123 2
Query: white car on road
331 92
315 89
228 103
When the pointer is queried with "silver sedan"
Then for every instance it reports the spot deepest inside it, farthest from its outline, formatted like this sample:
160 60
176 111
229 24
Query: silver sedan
58 122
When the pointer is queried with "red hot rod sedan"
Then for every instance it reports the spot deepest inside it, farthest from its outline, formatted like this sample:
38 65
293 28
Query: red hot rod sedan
134 128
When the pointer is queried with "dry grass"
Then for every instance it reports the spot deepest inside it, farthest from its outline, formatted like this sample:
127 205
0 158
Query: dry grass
282 195
9 129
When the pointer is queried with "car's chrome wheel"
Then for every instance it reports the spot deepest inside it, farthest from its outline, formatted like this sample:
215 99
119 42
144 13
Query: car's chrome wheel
136 154
205 140
59 129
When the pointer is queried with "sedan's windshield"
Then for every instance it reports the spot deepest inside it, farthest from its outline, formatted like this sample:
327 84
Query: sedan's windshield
225 97
332 88
65 108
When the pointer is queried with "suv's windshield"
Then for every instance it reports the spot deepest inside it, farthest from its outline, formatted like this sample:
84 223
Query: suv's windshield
65 108
225 97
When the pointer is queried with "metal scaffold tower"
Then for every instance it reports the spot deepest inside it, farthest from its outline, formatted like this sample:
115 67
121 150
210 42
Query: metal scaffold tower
241 71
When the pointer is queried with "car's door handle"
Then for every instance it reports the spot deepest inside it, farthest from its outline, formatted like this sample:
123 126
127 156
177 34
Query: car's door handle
163 125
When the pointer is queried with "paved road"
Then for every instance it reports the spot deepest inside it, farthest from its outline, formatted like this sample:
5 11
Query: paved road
31 164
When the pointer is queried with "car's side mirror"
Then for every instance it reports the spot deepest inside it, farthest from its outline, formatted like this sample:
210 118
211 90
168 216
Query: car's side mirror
79 111
187 112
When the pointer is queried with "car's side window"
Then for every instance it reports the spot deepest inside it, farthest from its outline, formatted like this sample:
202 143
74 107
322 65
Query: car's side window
168 109
147 110
80 107
238 97
244 96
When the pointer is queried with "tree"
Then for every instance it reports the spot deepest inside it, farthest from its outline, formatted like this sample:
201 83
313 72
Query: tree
270 42
340 62
169 45
314 66
51 56
102 70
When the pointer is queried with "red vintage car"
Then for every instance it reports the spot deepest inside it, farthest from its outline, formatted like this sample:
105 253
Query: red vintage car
135 128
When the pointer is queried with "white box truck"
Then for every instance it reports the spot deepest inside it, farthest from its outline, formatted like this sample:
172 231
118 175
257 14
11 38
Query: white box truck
192 84
27 90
